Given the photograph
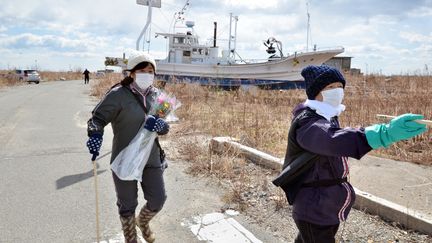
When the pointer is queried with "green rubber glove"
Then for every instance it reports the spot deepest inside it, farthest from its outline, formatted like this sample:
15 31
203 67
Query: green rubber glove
399 128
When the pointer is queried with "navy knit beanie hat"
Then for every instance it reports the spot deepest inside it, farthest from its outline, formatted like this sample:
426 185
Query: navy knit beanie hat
318 77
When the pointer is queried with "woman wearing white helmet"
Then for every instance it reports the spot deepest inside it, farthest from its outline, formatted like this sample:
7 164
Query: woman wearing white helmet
126 107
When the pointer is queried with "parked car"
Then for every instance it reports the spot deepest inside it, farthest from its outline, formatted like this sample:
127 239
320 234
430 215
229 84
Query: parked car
28 75
100 73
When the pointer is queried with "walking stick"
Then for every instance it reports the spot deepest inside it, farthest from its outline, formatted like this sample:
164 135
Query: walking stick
93 159
426 122
97 196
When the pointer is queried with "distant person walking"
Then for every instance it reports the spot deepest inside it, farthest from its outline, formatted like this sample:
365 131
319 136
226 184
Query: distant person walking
86 76
321 196
126 107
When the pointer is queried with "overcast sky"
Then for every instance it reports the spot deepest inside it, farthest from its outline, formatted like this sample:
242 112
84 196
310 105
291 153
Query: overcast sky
387 36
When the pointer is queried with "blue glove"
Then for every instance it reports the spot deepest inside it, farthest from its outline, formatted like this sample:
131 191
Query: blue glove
399 128
94 144
156 124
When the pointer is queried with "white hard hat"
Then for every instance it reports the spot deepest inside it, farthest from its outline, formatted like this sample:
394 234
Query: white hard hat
137 57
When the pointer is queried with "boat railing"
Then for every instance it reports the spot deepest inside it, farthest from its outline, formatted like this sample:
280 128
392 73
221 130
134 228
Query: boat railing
289 55
321 49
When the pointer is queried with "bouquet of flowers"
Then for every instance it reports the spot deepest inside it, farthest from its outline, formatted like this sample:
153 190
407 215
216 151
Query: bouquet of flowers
130 162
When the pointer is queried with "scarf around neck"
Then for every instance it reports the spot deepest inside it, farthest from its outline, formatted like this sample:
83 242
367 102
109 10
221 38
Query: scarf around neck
143 93
324 109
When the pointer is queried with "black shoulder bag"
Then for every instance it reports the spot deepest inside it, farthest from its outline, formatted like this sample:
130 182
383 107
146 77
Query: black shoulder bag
294 169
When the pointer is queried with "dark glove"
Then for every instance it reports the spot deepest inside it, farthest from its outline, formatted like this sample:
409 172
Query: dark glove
155 124
94 144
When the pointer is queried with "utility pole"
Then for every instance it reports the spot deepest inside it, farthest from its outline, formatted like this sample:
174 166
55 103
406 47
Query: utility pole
308 26
150 4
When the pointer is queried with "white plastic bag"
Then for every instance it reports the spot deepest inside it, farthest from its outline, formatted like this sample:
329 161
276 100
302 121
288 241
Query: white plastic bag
130 162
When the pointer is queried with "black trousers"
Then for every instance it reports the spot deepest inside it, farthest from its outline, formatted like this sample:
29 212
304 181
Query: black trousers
311 233
86 80
152 186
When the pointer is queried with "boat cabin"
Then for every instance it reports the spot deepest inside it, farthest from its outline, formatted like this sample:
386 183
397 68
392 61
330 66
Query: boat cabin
185 48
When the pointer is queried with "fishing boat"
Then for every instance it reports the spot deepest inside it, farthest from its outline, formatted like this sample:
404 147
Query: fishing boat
189 61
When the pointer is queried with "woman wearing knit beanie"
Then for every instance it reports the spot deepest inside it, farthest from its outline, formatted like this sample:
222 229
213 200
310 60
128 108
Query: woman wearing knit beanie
127 106
321 195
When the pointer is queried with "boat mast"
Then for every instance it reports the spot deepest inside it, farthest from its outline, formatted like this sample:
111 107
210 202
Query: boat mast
232 38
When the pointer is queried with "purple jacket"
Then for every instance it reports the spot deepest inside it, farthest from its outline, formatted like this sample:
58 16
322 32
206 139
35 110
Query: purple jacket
327 205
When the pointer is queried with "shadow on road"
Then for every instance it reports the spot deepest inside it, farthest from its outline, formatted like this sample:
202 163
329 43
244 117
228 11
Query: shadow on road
72 179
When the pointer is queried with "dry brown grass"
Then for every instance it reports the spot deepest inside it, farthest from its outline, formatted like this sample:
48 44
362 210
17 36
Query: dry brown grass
6 79
55 76
101 86
373 95
261 118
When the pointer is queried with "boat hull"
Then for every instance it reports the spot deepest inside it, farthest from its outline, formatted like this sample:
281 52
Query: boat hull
233 83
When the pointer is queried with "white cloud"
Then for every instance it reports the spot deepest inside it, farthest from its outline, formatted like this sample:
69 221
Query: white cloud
425 51
416 37
28 40
360 32
253 4
382 19
422 11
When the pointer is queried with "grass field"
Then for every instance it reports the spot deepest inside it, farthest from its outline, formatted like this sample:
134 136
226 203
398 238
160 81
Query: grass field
261 118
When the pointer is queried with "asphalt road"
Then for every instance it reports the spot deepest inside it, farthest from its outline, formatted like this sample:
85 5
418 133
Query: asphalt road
47 189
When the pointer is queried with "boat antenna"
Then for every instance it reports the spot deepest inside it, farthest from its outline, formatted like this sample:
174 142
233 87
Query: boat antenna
179 16
150 4
308 26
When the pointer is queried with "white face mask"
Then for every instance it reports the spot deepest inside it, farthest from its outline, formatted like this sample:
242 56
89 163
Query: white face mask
144 80
333 97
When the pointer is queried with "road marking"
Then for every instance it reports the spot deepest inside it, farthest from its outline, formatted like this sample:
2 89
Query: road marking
212 227
219 228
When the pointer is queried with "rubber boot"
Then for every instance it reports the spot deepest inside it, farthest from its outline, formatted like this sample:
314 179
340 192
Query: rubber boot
129 230
143 220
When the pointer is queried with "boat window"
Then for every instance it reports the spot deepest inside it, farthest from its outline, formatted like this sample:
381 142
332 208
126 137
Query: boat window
186 53
179 40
